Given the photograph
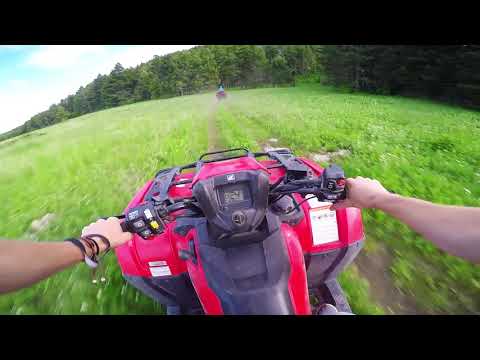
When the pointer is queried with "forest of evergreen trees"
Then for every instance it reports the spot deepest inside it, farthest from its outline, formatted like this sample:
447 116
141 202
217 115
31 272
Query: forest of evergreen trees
447 73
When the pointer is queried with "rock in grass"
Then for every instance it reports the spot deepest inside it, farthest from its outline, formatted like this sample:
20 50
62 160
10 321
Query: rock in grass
42 224
326 157
321 157
268 148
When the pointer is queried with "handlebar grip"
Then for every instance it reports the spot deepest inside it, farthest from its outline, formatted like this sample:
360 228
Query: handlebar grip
117 216
123 225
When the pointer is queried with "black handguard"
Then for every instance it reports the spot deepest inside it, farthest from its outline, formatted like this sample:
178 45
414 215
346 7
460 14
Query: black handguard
333 184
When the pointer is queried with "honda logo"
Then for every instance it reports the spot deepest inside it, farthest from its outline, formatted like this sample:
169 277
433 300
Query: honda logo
231 177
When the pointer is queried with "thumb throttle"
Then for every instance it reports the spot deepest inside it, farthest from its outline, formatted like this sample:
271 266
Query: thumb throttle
333 179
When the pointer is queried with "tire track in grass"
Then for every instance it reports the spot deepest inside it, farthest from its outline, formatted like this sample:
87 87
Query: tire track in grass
375 266
213 141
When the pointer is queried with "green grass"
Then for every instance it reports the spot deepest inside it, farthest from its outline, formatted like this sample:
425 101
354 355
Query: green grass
414 147
91 166
83 169
358 295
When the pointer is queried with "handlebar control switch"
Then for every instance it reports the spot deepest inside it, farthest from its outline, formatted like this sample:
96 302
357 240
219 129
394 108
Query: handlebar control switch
144 220
139 224
333 179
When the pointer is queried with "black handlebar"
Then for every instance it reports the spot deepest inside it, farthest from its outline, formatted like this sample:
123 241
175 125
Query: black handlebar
150 217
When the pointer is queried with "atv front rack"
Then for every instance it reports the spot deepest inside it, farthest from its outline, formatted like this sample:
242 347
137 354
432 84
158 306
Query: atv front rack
295 169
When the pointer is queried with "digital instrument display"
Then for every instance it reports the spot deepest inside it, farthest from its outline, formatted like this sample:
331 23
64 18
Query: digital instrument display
233 195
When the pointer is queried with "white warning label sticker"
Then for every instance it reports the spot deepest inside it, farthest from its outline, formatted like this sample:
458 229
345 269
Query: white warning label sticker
314 203
323 222
158 263
160 271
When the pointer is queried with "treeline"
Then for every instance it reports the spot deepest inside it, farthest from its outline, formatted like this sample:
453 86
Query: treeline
186 71
449 73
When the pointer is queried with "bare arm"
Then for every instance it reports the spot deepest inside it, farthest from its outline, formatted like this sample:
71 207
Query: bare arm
23 263
454 229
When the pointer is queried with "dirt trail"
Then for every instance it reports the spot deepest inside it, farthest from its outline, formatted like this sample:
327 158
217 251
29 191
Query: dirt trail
375 267
213 142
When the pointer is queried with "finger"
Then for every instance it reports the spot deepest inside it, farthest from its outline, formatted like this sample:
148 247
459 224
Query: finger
124 237
349 184
350 181
341 205
127 235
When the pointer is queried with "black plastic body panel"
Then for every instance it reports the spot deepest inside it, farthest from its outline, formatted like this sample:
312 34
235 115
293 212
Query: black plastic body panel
168 290
325 266
285 210
322 272
295 169
249 279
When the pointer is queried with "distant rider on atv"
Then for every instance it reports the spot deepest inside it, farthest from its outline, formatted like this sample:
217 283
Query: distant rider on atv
221 92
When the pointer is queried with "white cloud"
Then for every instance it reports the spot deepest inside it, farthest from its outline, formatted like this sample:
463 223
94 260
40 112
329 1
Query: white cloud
22 99
66 67
101 57
64 56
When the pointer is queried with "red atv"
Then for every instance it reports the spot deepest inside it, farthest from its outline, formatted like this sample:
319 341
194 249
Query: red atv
221 95
239 235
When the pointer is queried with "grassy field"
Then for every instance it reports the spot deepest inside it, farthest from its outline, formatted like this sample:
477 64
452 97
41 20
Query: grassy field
83 169
91 166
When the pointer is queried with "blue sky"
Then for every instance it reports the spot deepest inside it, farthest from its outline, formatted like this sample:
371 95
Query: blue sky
34 77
